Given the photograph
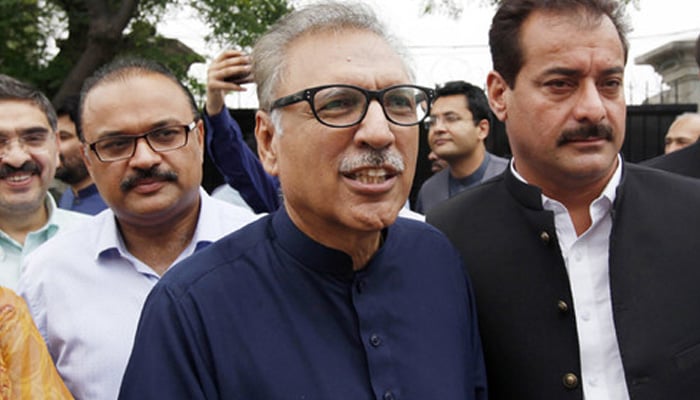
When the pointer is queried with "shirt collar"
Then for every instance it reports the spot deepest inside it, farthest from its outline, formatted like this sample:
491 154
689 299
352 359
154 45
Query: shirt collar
51 223
609 192
110 241
87 191
306 251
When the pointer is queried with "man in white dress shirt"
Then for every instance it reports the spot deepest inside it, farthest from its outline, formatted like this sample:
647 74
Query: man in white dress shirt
143 145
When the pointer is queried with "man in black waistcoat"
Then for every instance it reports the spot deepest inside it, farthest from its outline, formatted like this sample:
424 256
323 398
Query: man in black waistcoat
585 267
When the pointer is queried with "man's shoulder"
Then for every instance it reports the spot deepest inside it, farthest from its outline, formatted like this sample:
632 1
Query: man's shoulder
475 194
684 161
242 248
438 179
498 160
65 218
473 207
495 166
217 211
658 183
411 237
435 186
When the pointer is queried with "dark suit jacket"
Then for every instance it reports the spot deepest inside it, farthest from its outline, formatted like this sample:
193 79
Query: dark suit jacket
685 161
436 189
524 301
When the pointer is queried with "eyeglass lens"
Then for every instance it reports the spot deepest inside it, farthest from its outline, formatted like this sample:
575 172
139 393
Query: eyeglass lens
163 139
344 106
35 139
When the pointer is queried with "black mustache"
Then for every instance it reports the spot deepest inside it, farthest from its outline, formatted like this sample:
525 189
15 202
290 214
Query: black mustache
29 166
130 182
598 131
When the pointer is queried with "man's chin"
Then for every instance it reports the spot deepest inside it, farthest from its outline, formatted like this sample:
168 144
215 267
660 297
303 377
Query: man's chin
376 216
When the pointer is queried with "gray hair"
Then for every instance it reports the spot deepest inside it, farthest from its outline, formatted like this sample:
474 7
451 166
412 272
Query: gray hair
269 52
13 89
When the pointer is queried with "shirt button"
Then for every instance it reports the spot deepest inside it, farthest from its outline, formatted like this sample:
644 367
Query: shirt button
578 256
375 340
570 381
388 396
585 315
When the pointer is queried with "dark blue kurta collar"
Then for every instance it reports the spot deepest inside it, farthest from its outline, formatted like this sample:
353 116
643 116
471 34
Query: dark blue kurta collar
307 251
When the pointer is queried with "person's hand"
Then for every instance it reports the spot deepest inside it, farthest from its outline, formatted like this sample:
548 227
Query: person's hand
226 73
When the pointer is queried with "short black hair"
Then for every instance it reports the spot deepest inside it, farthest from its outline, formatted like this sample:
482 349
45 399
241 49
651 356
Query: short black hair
506 27
69 106
122 68
477 103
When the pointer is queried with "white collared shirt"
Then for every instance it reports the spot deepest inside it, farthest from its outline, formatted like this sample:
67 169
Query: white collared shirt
587 265
85 292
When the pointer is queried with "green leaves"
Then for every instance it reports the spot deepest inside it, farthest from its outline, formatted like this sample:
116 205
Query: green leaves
56 44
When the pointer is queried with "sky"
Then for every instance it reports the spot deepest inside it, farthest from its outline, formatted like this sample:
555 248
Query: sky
444 49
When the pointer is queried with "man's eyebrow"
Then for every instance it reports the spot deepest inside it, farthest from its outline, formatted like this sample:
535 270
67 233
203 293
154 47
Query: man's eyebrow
33 130
574 72
159 124
26 131
614 71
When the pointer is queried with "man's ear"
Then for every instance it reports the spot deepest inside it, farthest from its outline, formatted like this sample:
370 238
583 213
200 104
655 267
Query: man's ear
199 135
497 89
265 136
484 127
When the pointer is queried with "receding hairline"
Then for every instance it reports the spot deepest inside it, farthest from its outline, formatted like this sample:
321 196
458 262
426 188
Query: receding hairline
128 74
320 32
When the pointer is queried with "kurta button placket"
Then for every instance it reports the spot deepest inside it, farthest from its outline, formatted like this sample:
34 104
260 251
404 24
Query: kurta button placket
360 285
545 237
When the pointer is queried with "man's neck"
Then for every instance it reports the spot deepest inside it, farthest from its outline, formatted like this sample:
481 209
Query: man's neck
81 185
19 225
158 245
465 166
577 197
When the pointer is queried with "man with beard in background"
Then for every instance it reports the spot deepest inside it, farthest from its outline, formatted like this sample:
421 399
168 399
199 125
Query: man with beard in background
82 194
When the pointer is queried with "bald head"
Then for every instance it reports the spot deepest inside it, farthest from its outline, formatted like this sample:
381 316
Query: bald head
684 131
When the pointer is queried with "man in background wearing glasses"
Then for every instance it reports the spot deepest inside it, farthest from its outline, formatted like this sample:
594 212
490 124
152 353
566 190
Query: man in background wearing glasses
143 145
332 296
458 125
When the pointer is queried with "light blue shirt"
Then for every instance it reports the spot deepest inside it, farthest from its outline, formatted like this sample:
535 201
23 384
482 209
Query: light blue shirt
12 253
85 292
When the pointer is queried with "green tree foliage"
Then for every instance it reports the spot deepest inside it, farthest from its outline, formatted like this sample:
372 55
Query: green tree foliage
90 33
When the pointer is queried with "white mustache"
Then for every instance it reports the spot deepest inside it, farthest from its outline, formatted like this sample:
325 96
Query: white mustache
373 159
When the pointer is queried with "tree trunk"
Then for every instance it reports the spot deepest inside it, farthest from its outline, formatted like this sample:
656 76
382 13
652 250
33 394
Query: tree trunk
106 21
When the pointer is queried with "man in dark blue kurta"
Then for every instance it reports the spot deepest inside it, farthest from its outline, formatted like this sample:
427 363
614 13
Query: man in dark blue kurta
331 296
268 313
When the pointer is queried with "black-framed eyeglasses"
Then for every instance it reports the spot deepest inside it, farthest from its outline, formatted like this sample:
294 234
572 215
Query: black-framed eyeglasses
341 106
121 147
